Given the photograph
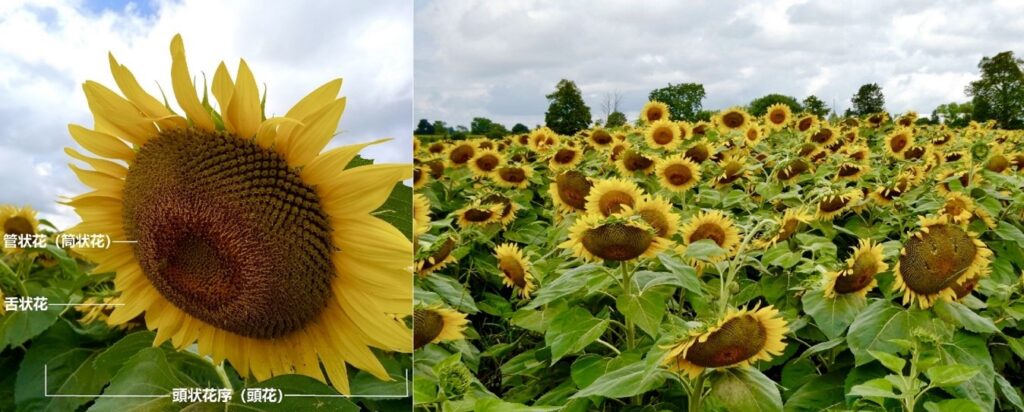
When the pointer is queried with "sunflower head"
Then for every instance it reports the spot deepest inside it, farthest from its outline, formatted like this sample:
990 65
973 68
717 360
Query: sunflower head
699 152
654 111
662 134
656 212
851 171
732 119
898 141
599 138
543 139
958 207
778 116
608 196
618 238
823 136
793 170
632 161
436 324
460 154
478 214
515 269
17 222
878 119
789 223
937 258
733 169
565 158
508 209
835 204
713 225
858 277
437 148
485 162
738 339
806 123
420 214
517 176
570 190
677 173
438 255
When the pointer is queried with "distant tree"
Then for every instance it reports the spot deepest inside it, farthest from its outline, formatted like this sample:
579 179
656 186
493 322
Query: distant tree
611 102
999 94
460 129
704 115
480 125
440 128
759 106
953 114
616 119
868 99
683 100
424 127
814 105
496 130
520 128
567 113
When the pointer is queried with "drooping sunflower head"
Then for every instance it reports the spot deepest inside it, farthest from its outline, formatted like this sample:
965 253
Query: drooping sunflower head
713 225
857 153
851 171
608 196
778 116
437 324
907 120
936 259
478 214
459 154
792 170
788 224
738 339
657 212
633 161
617 149
508 208
247 236
516 176
420 214
946 178
898 141
420 176
858 277
685 130
485 162
700 129
823 136
732 119
835 204
699 151
618 238
18 222
437 148
514 268
438 255
806 123
599 138
565 158
662 134
878 119
570 190
654 111
917 152
677 173
733 168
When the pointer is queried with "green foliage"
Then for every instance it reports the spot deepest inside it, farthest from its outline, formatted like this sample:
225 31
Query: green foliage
999 93
616 119
424 127
814 105
567 113
684 100
760 105
520 128
868 100
954 114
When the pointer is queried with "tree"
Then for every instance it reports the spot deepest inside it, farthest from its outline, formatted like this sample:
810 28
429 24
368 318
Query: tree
683 100
520 128
440 128
953 114
814 105
759 106
567 113
496 130
616 119
480 125
868 100
999 94
424 127
611 103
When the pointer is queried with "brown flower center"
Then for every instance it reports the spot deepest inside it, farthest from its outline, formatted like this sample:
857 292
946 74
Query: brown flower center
711 230
461 154
427 325
636 162
698 153
733 120
935 261
487 162
662 135
512 174
565 156
737 340
18 225
573 188
617 241
678 174
832 203
778 116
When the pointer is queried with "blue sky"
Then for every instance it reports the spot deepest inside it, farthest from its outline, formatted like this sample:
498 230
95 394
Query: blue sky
51 47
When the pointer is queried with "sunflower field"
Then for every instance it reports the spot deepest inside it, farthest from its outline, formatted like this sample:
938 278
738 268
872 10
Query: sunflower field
780 262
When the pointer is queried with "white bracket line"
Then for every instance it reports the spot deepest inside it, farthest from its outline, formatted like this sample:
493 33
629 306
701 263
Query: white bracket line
124 241
47 394
85 304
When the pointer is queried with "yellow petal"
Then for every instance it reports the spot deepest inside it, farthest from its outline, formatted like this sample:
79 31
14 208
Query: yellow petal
184 91
307 142
315 100
269 129
98 180
373 240
362 189
149 105
244 110
223 88
118 115
101 144
333 162
103 166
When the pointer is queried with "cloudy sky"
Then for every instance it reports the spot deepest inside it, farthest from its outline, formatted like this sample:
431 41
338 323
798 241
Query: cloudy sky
499 59
51 47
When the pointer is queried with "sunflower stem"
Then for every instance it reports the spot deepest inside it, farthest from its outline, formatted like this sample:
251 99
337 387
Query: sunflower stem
627 289
14 279
724 293
697 393
223 375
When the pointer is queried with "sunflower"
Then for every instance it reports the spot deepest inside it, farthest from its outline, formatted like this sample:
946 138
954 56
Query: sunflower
543 139
565 158
657 212
859 275
250 241
898 141
937 258
851 171
806 123
478 214
507 209
736 340
631 162
662 134
617 149
858 153
752 135
943 139
916 152
619 238
599 138
824 136
438 256
420 214
420 176
876 120
946 179
788 223
778 116
699 152
485 161
713 225
677 173
998 162
793 170
907 120
607 196
654 111
833 205
954 156
700 128
957 207
17 222
570 190
460 154
515 269
851 134
732 119
517 176
436 324
733 169
685 130
437 148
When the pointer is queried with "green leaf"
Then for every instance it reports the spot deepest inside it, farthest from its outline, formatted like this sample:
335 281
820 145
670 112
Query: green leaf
952 405
950 375
1008 231
1009 392
645 279
891 362
573 330
745 389
958 314
878 323
685 274
703 249
567 283
145 373
17 327
113 357
968 349
645 309
587 368
452 292
875 388
397 210
832 315
498 405
819 394
68 361
632 379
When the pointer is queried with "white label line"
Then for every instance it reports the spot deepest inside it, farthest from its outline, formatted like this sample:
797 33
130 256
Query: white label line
124 241
304 395
85 304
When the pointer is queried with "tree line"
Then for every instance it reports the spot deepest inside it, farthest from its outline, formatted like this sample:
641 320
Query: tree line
997 95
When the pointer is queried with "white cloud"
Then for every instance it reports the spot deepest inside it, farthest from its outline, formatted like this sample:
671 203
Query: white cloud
51 47
498 59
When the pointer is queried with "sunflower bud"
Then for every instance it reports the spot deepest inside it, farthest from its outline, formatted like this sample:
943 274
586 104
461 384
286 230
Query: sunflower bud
454 379
979 151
